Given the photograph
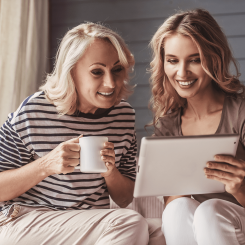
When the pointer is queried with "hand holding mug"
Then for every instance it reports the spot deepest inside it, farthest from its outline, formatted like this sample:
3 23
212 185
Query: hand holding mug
63 158
108 156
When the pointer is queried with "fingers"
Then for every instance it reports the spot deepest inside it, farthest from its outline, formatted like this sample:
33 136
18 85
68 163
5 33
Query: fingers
72 162
224 181
228 159
68 169
73 147
218 174
70 146
108 145
108 155
222 166
75 140
107 152
108 159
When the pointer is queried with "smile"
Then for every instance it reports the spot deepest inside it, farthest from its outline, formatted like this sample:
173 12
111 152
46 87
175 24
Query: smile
186 83
106 94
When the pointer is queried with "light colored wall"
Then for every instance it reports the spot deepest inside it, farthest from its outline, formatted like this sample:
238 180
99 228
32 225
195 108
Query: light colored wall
137 21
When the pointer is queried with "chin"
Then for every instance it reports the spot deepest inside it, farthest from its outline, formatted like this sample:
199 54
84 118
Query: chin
186 94
106 105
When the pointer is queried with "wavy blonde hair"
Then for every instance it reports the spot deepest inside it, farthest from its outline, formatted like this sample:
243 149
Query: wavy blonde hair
59 86
215 55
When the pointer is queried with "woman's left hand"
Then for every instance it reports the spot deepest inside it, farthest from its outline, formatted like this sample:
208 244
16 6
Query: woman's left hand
228 170
108 156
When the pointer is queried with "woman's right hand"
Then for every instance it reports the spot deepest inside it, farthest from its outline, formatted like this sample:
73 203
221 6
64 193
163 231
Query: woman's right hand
62 159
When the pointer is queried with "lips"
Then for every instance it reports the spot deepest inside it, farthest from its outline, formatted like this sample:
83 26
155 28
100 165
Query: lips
186 82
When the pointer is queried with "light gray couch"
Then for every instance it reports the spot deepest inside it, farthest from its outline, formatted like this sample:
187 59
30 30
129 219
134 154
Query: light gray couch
150 208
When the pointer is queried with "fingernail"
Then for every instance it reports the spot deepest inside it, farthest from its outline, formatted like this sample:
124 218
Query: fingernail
209 164
216 157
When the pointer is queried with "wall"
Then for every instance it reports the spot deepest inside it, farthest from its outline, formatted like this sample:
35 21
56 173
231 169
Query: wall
137 21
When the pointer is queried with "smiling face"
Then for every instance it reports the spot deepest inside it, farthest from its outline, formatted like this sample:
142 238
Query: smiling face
98 77
182 66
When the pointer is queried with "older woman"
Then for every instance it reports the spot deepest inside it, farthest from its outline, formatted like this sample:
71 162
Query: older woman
195 94
43 197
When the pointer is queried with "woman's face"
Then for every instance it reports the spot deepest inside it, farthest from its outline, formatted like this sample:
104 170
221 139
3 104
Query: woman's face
98 77
182 66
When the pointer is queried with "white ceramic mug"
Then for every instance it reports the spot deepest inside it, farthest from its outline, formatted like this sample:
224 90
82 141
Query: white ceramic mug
90 158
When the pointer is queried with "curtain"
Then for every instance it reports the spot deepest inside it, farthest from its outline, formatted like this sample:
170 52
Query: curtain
23 51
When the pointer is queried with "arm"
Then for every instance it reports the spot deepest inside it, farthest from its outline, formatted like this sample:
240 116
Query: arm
15 182
119 183
120 187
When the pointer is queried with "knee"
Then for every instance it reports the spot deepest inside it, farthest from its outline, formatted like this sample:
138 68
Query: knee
178 212
131 218
207 211
179 207
134 225
210 215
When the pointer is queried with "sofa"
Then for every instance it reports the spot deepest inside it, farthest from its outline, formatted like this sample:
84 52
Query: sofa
151 209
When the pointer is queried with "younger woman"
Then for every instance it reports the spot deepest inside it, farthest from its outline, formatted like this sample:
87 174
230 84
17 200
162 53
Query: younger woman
195 94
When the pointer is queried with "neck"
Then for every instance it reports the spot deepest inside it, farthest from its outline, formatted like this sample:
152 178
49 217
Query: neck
204 103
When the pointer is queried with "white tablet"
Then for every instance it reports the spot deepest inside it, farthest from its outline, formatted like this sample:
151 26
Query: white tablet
170 166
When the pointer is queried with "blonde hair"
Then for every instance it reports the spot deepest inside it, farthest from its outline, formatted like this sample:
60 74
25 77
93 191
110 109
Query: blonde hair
214 51
59 86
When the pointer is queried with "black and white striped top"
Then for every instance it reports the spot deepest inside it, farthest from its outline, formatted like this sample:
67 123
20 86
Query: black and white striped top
35 129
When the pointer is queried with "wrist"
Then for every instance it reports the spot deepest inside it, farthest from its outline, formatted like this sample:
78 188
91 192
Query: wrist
240 196
111 173
43 169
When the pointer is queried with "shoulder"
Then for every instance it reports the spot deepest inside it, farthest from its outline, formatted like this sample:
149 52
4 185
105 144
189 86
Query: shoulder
123 108
31 107
124 105
168 124
235 102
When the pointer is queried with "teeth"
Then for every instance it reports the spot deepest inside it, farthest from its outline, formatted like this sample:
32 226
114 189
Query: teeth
103 93
186 83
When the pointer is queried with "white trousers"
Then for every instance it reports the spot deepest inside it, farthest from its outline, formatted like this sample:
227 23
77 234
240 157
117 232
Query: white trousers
42 226
213 222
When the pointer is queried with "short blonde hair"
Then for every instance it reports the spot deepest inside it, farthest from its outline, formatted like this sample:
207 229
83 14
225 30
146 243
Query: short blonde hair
215 55
59 86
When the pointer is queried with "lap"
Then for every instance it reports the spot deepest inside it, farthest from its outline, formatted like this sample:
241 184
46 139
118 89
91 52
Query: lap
45 226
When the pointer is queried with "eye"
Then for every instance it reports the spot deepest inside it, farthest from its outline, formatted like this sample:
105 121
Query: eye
197 60
118 69
97 72
172 61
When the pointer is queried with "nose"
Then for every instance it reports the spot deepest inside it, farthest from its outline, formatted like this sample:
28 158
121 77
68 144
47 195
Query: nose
109 80
182 70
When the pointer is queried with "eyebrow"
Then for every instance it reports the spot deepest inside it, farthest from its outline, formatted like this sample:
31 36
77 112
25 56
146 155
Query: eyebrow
192 55
98 63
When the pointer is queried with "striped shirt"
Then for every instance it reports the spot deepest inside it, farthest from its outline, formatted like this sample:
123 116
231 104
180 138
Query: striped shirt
35 129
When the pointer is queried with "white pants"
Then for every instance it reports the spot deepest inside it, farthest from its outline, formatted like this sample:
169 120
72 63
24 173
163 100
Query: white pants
213 222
